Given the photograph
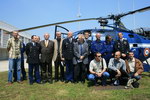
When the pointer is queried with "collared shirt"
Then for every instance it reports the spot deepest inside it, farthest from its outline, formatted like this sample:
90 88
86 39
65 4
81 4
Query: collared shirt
14 47
46 42
132 64
97 66
117 64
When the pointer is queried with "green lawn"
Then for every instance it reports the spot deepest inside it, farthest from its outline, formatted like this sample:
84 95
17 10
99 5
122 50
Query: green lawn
69 91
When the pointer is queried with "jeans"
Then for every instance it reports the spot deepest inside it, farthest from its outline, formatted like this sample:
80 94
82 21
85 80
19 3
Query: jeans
104 77
131 75
12 63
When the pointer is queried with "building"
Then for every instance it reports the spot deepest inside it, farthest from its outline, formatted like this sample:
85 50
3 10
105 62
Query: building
5 35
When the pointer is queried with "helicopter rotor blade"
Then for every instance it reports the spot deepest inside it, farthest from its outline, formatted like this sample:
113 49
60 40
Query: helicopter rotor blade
135 11
71 21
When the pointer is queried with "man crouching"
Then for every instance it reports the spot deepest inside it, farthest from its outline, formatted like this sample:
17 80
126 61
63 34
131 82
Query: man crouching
134 69
97 69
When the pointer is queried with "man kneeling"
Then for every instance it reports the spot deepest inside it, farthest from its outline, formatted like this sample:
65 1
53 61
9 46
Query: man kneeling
97 69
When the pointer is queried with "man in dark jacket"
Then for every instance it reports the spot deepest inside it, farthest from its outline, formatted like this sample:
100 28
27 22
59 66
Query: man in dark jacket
33 51
67 54
122 45
47 51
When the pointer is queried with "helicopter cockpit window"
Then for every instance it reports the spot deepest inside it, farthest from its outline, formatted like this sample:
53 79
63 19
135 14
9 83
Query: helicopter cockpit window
143 32
131 35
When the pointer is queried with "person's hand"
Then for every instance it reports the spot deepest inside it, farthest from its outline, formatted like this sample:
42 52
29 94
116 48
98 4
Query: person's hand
136 74
99 74
118 73
123 55
62 59
81 57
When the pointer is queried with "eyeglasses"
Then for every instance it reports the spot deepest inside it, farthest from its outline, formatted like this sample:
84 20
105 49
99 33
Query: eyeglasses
98 56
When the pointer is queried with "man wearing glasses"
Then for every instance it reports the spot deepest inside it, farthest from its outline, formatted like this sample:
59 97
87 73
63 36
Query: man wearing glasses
98 69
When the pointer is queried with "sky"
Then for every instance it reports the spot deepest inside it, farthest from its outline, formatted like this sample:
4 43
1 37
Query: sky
30 13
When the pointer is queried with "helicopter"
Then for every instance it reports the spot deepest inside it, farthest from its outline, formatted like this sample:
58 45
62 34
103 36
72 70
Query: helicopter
139 39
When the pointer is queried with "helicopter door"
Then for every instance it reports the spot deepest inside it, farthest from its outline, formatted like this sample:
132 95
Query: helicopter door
63 33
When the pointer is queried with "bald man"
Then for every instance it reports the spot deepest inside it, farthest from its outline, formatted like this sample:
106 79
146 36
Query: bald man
47 51
97 45
67 54
117 68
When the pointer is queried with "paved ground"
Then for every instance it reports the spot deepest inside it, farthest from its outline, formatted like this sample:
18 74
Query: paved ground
4 65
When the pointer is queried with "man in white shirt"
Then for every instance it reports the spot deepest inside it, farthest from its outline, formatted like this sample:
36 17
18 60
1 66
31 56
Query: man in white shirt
98 69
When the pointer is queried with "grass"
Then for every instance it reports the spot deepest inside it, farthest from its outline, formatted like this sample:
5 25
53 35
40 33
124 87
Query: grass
69 91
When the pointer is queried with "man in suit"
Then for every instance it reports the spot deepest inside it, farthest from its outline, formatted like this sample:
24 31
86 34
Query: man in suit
122 45
80 59
57 58
67 54
33 50
47 51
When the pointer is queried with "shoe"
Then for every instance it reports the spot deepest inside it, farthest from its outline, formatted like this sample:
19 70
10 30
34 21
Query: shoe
129 83
116 83
20 82
9 83
104 84
83 81
43 82
56 80
66 81
24 78
38 82
50 82
31 83
72 81
62 80
96 84
15 80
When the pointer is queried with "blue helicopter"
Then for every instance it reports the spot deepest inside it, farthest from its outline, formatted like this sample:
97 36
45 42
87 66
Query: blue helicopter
138 39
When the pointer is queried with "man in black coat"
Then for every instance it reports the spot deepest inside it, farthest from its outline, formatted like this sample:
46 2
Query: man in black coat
33 50
47 51
67 54
122 45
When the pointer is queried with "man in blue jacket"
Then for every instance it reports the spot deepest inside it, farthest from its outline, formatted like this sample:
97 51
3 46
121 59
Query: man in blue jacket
97 45
108 48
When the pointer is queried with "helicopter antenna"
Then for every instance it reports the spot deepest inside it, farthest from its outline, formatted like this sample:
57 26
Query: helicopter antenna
133 15
79 14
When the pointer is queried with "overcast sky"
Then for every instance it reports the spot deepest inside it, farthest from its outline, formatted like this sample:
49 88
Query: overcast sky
30 13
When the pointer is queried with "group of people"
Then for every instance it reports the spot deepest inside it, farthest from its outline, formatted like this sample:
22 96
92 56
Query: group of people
83 58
